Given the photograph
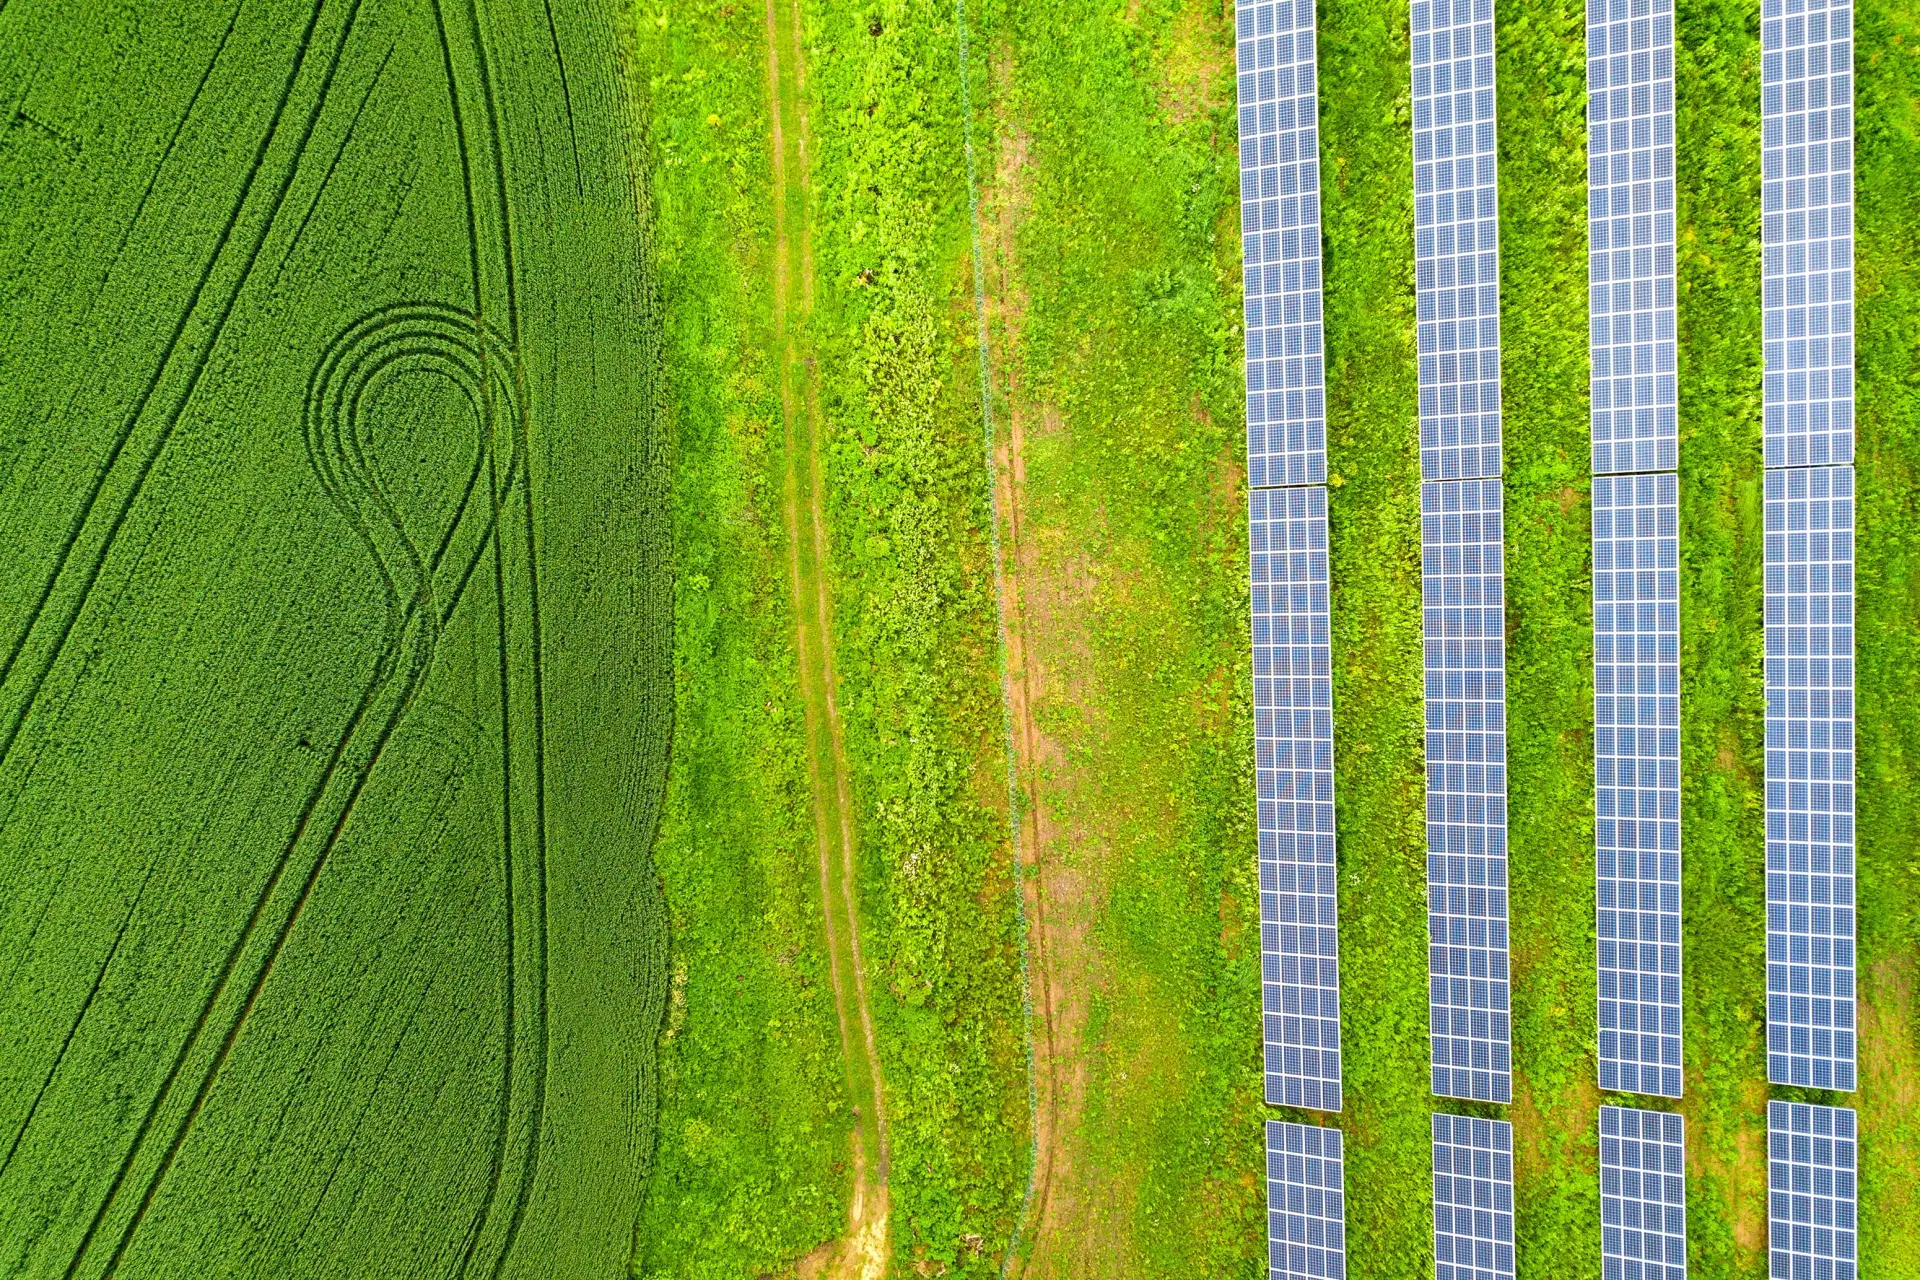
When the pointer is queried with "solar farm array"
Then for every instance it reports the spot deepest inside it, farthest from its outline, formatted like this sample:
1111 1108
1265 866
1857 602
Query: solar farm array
1807 222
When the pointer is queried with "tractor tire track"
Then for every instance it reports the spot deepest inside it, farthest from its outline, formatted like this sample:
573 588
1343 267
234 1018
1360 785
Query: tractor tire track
170 420
863 1252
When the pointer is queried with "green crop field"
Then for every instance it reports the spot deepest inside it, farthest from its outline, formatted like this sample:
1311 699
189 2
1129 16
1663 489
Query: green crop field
334 639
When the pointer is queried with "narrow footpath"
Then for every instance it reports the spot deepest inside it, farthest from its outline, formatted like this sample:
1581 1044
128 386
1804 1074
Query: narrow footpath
862 1253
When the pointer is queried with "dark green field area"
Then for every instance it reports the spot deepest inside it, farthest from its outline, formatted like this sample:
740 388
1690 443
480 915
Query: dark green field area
334 625
1104 137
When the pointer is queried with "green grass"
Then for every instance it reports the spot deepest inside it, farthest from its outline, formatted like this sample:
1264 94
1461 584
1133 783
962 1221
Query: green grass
1124 364
914 634
1121 348
334 620
752 1158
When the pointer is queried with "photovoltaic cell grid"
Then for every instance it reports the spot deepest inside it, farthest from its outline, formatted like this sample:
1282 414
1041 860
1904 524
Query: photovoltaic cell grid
1465 673
1293 765
1280 243
1810 837
1643 1195
1456 239
1631 233
1472 1198
1806 201
1306 1203
1636 757
1812 1163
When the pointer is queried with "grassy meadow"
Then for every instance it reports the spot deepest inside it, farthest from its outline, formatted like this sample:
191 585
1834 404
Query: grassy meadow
1104 137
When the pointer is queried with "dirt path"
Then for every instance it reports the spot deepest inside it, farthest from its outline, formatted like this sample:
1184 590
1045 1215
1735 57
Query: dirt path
1054 893
862 1252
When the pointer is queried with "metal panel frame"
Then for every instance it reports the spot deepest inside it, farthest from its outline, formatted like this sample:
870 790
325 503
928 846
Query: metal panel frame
1636 747
1813 1206
1643 1195
1293 766
1306 1202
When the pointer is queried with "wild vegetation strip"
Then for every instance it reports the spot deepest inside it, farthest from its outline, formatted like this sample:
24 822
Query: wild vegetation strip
905 552
335 699
864 1250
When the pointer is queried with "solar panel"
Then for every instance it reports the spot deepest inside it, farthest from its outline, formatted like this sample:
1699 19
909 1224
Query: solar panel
1472 1198
1280 243
1812 1202
1630 230
1636 756
1306 1203
1463 588
1293 766
1810 839
1643 1195
1806 230
1456 239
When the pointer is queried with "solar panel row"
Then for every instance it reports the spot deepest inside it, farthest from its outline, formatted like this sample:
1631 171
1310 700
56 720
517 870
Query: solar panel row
1806 203
1643 1195
1280 243
1306 1203
1810 800
1630 211
1456 239
1813 1192
1465 672
1293 765
1457 307
1636 588
1807 313
1472 1198
1636 749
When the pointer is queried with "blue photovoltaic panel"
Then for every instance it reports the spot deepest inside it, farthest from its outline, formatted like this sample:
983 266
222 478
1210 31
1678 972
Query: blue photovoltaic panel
1631 233
1643 1195
1463 588
1293 765
1306 1203
1456 239
1806 230
1472 1198
1812 1205
1280 243
1636 758
1809 673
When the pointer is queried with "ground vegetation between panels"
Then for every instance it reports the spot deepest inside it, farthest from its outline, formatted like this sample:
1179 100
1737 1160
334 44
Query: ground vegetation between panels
1108 218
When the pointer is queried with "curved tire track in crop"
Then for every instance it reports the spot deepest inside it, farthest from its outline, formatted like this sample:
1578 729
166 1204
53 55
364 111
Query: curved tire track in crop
282 588
416 337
